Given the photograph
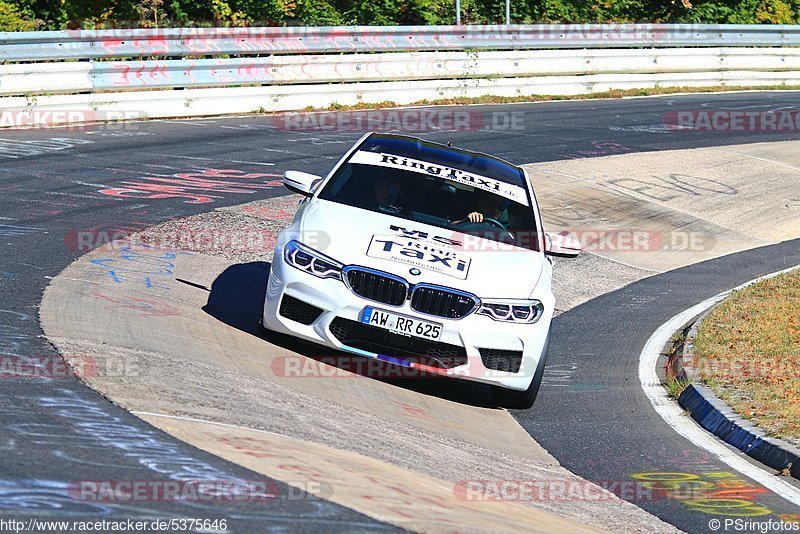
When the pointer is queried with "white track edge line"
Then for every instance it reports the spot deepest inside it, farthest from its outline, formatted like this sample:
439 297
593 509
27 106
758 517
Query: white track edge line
673 414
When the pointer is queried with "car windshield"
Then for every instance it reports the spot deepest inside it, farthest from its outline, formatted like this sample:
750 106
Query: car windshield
444 194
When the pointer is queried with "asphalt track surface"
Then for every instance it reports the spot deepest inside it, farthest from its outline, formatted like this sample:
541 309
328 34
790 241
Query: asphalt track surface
602 426
56 431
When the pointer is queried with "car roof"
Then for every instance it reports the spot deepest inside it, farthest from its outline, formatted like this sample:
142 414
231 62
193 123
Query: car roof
450 156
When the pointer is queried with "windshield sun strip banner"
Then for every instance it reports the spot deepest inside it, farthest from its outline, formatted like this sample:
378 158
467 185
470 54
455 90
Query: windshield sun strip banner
508 191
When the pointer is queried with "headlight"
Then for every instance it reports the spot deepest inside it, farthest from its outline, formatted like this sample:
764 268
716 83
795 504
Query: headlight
512 311
309 260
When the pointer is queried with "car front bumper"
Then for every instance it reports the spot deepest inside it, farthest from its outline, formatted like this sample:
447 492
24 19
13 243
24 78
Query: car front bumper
474 333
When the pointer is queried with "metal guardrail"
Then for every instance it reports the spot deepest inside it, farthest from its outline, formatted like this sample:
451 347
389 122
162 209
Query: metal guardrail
70 77
272 98
134 73
183 42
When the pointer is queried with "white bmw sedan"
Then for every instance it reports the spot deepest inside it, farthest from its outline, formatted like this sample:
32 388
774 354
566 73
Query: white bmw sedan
424 256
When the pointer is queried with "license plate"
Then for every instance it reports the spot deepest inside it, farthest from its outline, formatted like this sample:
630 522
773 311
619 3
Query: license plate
401 324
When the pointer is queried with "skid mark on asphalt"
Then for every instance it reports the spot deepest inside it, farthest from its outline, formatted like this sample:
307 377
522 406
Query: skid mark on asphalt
10 230
168 156
16 148
199 187
142 306
253 162
43 497
13 339
82 435
118 133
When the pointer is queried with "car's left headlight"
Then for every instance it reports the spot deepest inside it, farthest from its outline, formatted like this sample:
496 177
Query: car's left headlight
311 261
512 311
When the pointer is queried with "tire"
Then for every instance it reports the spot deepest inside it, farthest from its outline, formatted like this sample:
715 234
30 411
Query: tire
265 332
523 400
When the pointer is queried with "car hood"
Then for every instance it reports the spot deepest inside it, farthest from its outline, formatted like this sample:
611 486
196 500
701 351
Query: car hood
356 236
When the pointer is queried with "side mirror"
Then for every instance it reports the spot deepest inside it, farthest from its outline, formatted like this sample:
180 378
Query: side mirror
562 246
300 182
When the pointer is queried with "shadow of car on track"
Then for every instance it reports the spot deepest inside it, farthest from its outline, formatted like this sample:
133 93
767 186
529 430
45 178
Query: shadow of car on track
237 299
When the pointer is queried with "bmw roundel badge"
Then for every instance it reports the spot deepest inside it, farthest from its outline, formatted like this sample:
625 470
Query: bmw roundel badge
414 271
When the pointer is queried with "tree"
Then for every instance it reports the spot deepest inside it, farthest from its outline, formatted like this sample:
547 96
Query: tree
312 13
58 14
11 20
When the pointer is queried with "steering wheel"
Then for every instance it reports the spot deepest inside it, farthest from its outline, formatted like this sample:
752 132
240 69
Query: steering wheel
495 222
505 236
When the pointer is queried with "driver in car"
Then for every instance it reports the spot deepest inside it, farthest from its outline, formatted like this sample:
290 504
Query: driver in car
387 192
488 206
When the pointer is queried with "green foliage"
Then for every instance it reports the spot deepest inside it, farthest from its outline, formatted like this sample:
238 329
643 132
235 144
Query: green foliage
225 15
59 14
11 20
50 12
378 12
314 13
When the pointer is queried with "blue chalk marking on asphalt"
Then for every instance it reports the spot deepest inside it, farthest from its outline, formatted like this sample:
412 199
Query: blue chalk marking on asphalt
135 256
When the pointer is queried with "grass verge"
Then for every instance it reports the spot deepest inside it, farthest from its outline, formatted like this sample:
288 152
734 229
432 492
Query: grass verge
748 350
491 99
674 382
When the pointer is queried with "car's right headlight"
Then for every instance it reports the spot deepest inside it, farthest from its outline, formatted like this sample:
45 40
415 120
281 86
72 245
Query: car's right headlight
311 261
512 311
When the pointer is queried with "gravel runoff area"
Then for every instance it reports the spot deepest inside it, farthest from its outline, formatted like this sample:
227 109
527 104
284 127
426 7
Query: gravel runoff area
186 388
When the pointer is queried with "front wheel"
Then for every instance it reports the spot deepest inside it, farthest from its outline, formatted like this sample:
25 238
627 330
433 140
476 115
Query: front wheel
522 400
265 332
